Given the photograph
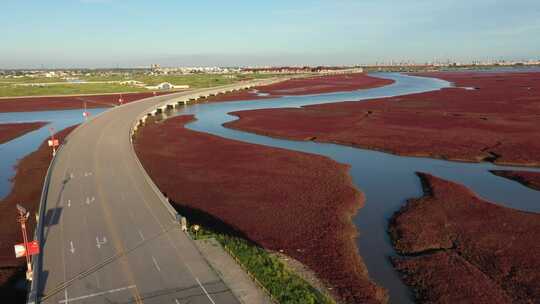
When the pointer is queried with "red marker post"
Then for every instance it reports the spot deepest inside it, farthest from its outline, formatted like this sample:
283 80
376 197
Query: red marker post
85 113
53 142
26 249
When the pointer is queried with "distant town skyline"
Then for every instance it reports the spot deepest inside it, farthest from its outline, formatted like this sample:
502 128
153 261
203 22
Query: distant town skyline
121 33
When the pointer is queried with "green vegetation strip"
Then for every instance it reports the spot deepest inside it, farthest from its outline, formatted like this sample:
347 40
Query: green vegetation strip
66 89
193 80
10 87
282 284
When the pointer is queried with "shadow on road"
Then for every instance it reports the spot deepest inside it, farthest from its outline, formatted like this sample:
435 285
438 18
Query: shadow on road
43 276
52 217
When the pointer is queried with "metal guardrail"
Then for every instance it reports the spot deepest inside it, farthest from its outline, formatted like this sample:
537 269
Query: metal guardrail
162 198
33 296
194 96
190 96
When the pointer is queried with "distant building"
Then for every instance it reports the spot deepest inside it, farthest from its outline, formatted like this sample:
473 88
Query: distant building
132 82
164 86
301 70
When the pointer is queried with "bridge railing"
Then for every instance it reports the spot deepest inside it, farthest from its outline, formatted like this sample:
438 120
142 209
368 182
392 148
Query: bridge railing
33 294
165 201
191 96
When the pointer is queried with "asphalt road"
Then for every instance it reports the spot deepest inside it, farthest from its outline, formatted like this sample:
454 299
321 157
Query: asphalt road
107 237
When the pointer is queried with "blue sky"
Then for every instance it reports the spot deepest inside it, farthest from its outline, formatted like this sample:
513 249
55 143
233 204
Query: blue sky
110 33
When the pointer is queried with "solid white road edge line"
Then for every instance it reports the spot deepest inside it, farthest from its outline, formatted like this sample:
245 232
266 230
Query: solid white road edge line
206 292
97 294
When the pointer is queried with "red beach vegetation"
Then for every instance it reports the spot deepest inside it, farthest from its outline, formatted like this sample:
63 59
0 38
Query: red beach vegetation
308 85
29 104
487 116
462 249
27 183
297 203
528 179
11 131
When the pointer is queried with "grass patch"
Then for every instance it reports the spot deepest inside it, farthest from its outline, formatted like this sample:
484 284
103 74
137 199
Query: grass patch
66 89
193 80
284 285
31 79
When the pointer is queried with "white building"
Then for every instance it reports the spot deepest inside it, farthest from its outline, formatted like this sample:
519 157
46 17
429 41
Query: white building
164 86
132 82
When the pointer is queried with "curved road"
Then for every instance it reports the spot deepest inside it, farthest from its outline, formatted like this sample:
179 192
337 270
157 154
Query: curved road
107 236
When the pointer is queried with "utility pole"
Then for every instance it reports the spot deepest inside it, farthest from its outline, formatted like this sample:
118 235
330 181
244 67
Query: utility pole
23 218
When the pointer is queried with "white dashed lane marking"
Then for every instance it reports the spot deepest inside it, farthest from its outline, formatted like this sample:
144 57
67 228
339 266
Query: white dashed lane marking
156 264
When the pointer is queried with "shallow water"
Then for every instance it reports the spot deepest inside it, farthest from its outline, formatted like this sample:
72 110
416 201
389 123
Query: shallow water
387 180
14 150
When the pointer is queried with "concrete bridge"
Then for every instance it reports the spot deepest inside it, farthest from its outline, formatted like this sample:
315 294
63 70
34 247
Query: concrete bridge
107 233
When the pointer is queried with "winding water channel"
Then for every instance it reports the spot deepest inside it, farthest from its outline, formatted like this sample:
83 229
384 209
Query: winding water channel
386 180
12 151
